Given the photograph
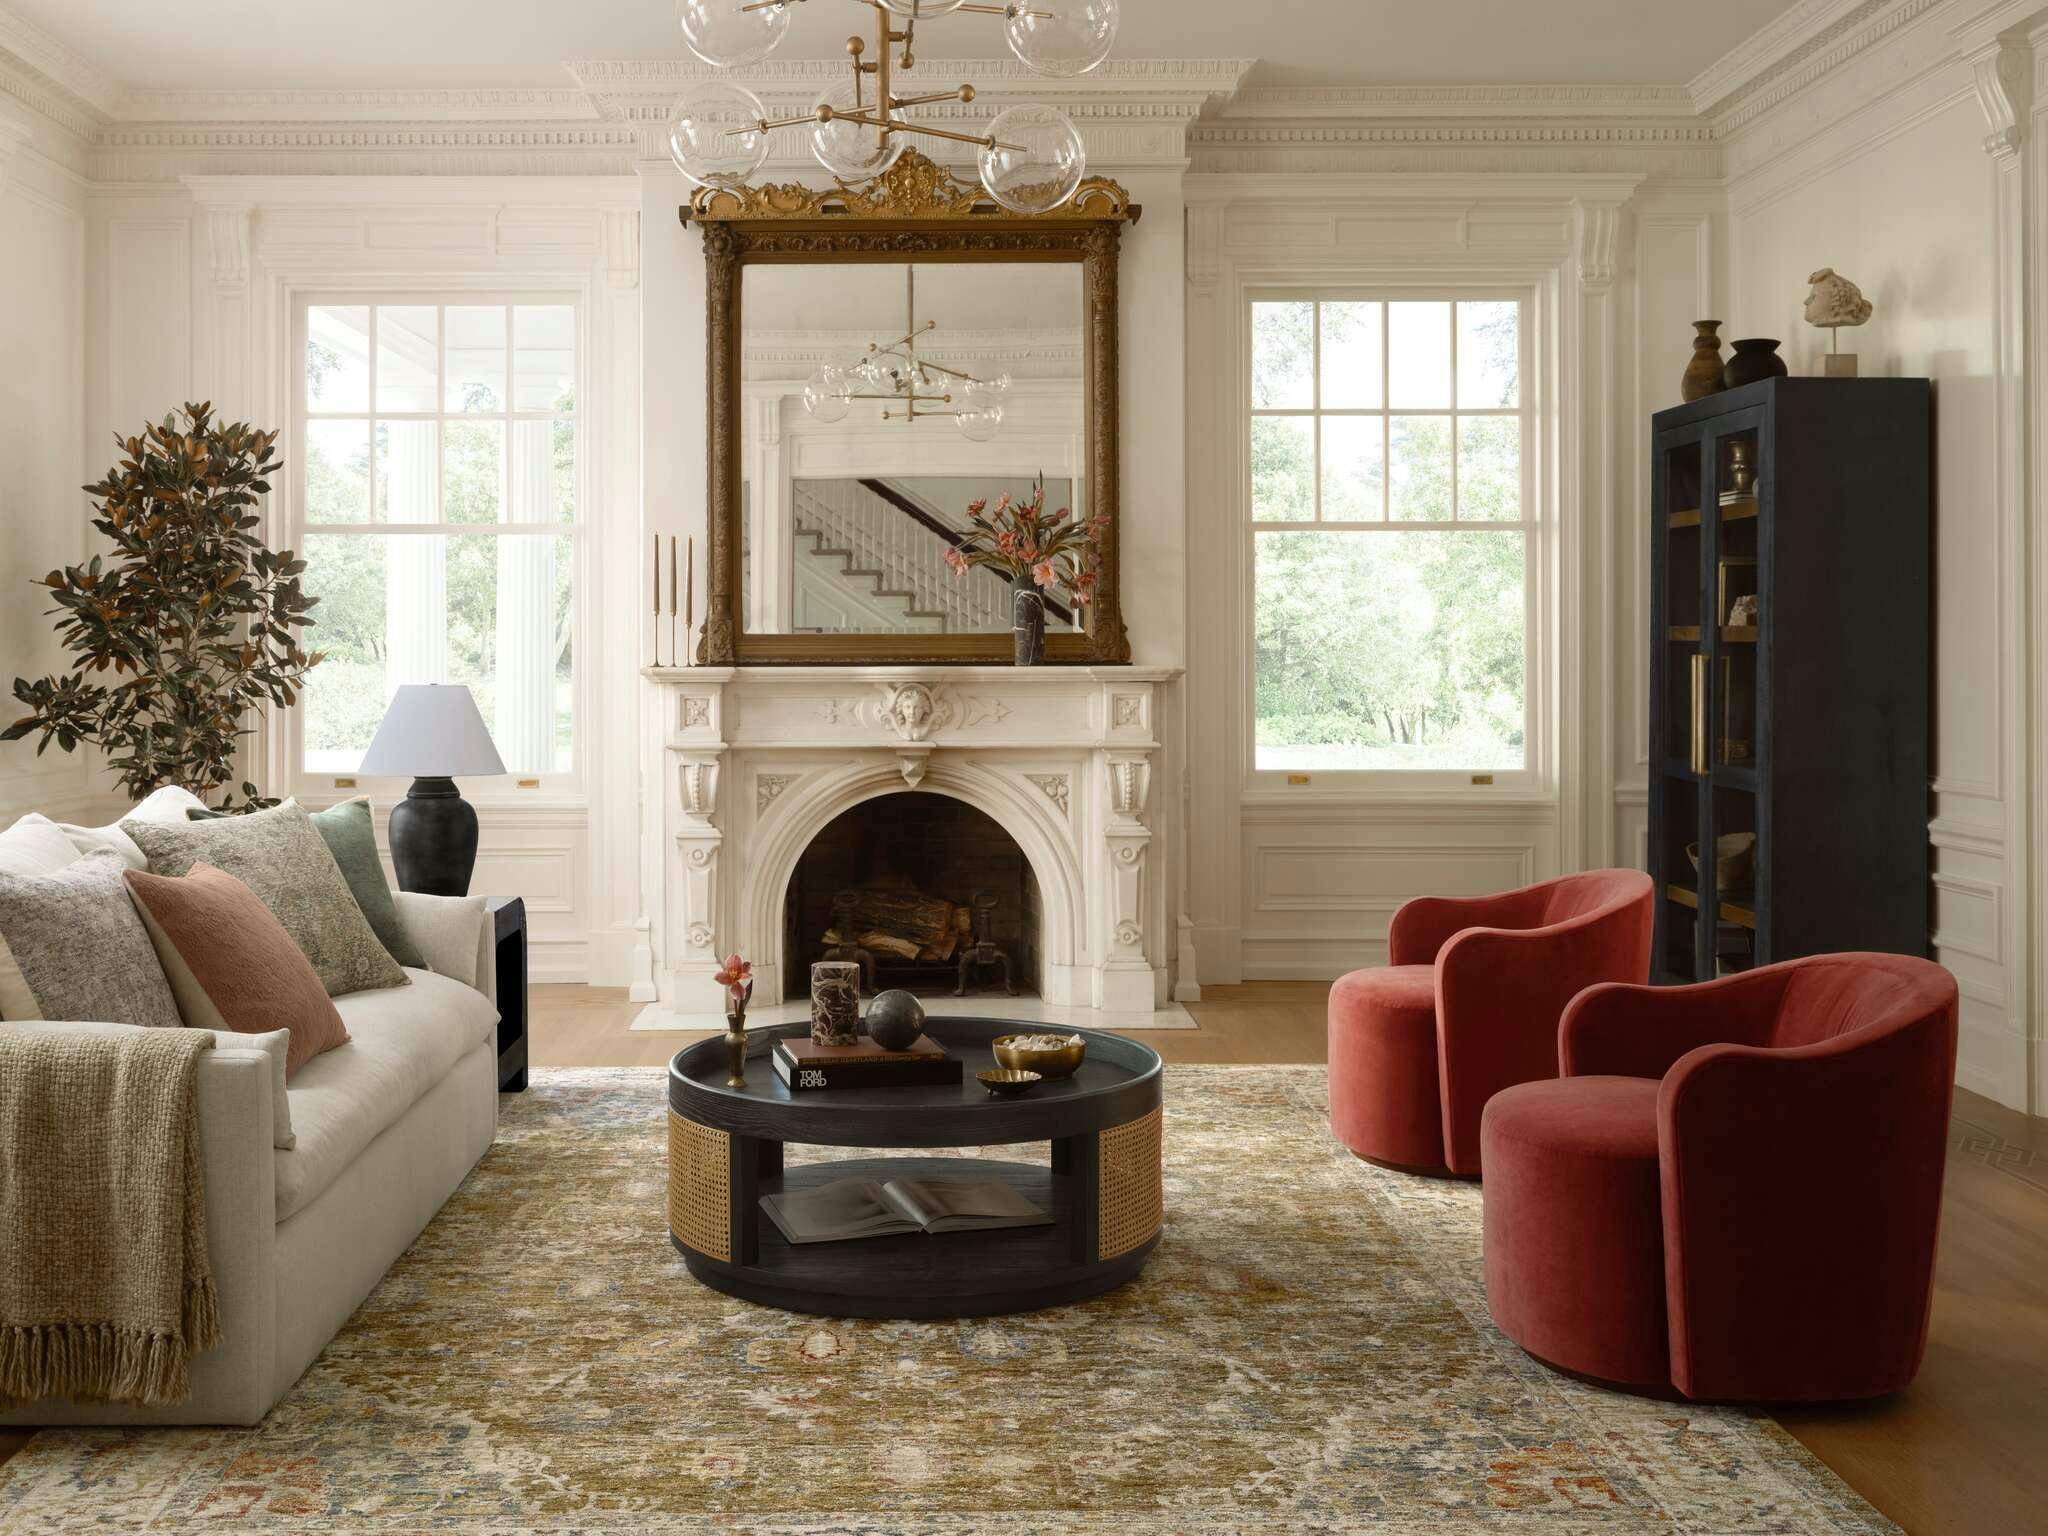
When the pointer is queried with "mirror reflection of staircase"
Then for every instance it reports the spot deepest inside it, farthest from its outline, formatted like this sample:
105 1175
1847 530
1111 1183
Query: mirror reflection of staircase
870 556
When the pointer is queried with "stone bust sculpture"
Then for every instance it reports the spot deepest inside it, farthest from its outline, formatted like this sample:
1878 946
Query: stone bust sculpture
1834 300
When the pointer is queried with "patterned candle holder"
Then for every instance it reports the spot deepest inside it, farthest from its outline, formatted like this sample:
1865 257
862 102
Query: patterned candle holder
835 1002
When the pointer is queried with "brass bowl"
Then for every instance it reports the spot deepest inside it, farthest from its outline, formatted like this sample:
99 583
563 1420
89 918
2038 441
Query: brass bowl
1063 1062
1734 859
1007 1082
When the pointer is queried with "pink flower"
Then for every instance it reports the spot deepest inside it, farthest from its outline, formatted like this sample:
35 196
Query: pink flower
1084 592
957 561
1044 574
976 508
737 977
1006 541
1003 502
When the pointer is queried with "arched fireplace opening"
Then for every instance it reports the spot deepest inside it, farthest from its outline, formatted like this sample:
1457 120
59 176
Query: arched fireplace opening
911 884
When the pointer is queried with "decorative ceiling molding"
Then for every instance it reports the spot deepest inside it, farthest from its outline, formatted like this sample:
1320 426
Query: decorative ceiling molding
1498 102
372 106
1801 48
89 92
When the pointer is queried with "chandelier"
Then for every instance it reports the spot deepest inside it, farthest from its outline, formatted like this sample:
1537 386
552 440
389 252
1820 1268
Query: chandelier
894 372
1031 159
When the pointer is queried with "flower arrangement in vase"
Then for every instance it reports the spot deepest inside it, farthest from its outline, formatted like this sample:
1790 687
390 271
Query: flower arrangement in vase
737 977
1034 552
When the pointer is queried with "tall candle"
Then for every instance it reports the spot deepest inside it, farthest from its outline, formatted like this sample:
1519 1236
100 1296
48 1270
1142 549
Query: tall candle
672 576
690 590
657 575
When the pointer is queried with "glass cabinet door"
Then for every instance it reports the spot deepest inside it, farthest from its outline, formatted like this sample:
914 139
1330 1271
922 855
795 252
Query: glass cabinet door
1728 746
1679 685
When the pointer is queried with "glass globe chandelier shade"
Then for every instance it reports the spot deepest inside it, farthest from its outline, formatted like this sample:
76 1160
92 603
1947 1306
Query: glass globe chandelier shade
852 151
1037 160
1061 37
729 33
979 426
922 10
715 135
828 393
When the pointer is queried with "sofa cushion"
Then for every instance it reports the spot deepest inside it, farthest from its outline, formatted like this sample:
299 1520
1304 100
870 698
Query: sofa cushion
72 947
167 805
402 1042
351 836
35 845
280 857
230 963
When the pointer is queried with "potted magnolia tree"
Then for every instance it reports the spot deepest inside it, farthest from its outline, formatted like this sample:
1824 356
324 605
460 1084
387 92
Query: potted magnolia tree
187 625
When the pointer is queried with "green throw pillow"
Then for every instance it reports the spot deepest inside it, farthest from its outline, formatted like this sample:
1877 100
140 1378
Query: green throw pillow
352 838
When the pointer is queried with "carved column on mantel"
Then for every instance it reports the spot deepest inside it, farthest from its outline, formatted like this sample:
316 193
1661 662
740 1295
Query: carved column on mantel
2003 46
696 753
1126 973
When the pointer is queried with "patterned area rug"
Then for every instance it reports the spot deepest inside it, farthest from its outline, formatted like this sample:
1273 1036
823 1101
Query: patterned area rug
1308 1351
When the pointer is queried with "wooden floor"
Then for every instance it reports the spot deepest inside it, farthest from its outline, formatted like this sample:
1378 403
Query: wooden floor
1964 1450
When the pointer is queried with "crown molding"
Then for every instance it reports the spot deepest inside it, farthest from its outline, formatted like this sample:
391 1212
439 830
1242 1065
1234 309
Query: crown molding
87 90
1803 47
1328 104
537 105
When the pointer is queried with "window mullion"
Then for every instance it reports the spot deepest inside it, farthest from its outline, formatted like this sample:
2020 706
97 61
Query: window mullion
1454 410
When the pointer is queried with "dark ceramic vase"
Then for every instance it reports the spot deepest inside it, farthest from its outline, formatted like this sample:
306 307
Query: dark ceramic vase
1756 357
433 839
1702 375
1028 627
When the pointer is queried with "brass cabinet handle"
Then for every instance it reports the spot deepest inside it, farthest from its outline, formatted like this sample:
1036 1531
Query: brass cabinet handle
1699 713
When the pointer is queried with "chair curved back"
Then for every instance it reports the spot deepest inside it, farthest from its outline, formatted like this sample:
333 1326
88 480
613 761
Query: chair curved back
1793 1272
1500 995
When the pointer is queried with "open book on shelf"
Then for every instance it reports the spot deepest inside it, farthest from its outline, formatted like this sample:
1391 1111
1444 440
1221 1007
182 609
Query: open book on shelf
851 1208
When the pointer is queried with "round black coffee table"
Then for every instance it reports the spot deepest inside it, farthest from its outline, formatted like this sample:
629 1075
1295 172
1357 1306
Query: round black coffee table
1103 1186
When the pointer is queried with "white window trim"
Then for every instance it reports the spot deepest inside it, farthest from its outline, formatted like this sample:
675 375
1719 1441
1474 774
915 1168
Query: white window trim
1536 781
551 789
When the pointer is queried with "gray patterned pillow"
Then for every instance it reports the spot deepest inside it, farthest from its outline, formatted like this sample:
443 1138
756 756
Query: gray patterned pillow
280 856
72 947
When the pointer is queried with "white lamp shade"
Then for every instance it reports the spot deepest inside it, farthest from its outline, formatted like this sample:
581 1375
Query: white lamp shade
432 731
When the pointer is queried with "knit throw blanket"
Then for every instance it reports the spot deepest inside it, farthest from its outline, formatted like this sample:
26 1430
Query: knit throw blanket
105 1289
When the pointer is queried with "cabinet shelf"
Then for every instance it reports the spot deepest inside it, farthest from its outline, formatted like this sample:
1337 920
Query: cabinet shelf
1690 518
1736 912
1738 634
1736 511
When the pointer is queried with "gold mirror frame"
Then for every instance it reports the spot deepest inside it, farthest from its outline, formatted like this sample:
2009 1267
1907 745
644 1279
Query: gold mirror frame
916 211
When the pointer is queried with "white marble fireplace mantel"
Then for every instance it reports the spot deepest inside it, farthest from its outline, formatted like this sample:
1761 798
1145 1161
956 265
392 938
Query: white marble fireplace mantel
756 761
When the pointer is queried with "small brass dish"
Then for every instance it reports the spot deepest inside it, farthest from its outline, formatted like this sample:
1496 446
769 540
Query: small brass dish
1008 1082
1063 1062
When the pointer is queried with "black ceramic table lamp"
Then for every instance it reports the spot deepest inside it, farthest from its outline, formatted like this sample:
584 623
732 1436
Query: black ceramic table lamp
434 732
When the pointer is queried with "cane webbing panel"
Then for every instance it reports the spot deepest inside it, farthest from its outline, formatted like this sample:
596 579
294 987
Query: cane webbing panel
1133 1196
700 1187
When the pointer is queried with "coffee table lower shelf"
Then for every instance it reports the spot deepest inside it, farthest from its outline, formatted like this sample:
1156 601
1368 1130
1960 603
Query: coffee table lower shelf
916 1275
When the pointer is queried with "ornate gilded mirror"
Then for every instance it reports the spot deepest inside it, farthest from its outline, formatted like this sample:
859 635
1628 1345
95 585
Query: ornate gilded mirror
882 359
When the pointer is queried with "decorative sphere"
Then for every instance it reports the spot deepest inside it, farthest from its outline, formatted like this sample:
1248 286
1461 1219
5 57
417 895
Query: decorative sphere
1061 37
715 135
851 151
1037 160
895 1020
729 33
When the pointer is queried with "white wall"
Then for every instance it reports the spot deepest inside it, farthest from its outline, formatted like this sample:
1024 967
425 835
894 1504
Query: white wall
1900 196
43 516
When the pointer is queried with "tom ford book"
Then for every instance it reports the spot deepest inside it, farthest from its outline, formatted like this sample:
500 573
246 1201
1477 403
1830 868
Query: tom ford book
805 1065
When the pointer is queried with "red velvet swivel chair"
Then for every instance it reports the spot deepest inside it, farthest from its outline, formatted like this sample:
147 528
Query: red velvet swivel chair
1468 1005
1734 1188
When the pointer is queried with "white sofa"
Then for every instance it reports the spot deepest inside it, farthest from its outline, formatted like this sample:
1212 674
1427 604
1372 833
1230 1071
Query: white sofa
387 1126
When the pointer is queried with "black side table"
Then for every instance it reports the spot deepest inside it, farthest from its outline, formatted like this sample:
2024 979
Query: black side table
508 944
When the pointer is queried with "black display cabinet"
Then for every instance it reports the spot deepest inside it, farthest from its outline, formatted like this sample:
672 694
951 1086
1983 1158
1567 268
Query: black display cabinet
1790 637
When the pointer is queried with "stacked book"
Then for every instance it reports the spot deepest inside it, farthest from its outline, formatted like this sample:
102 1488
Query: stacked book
804 1065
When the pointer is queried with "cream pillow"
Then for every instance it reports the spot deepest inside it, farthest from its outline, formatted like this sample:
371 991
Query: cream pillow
35 846
166 806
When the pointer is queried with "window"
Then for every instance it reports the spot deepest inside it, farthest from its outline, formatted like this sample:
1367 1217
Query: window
437 518
1391 530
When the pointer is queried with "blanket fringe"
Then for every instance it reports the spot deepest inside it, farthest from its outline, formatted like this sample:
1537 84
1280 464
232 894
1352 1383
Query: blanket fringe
99 1361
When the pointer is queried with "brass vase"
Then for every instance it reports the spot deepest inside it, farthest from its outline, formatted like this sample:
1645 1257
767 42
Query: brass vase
736 1000
1702 375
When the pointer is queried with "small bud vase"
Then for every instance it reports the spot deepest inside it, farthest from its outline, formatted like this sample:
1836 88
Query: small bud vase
736 1000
